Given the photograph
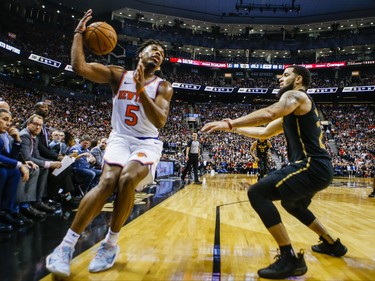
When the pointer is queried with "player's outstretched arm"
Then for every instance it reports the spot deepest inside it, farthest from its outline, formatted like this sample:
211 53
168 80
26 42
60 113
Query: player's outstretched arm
272 129
288 103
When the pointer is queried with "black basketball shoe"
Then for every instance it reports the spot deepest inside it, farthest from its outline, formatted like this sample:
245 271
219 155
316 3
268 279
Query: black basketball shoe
284 267
336 250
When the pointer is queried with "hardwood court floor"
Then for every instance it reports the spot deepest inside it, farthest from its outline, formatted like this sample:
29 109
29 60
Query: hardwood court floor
203 232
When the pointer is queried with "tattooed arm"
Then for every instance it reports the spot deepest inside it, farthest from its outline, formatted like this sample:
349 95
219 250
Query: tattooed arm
272 129
291 101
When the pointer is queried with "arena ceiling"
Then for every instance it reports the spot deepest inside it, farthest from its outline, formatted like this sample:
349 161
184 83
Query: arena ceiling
235 16
280 12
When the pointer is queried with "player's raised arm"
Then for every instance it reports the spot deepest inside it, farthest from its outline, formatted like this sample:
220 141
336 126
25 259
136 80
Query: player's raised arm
94 72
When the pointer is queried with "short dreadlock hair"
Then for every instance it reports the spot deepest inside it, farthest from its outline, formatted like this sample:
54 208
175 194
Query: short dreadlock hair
147 43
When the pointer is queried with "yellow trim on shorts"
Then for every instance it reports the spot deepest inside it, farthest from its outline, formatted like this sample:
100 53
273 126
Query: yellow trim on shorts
295 173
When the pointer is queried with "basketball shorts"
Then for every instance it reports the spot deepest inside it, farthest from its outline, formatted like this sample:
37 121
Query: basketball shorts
122 149
300 180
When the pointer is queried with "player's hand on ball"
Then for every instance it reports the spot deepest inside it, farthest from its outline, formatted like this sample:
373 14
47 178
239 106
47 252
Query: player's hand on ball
81 27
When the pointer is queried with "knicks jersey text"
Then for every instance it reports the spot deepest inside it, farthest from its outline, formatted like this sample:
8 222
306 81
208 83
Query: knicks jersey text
128 116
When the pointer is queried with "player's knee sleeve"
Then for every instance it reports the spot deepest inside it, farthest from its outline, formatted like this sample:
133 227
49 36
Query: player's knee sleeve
261 201
255 197
299 210
289 206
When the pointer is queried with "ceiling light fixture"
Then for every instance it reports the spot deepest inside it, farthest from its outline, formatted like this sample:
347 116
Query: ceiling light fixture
267 7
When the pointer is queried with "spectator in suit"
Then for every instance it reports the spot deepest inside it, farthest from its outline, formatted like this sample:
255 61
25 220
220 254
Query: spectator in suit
35 191
63 180
98 153
11 171
42 109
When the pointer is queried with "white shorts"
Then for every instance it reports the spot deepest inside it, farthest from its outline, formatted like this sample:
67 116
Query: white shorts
121 149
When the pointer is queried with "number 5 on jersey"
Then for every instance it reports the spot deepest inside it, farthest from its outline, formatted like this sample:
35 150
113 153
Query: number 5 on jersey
131 118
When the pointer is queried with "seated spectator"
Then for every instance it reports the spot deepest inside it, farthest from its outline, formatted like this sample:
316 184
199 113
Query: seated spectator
98 153
69 195
69 142
81 167
10 172
55 143
30 198
42 109
62 142
63 180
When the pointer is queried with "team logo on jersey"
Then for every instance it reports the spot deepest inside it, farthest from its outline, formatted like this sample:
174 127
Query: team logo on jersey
128 95
141 155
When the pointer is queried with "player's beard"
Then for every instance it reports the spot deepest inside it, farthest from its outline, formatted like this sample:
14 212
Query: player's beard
285 89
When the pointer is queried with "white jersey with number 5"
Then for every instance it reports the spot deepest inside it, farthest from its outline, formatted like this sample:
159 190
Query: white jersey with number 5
128 115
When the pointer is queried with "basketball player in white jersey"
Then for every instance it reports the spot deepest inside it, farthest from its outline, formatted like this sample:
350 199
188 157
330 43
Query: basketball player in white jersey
140 107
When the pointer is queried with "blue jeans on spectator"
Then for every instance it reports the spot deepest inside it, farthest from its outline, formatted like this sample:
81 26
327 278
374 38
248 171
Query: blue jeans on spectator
89 175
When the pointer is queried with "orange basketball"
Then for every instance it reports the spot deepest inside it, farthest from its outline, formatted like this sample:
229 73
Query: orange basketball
100 38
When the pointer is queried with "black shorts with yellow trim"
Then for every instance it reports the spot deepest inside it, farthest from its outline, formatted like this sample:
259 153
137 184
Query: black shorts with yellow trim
301 179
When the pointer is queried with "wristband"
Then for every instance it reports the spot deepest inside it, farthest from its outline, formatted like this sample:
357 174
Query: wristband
78 31
229 124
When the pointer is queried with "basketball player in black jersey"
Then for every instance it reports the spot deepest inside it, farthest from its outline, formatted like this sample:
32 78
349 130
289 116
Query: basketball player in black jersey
310 170
261 146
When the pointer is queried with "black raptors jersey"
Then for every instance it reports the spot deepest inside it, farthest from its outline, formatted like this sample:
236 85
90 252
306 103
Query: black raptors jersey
304 135
262 149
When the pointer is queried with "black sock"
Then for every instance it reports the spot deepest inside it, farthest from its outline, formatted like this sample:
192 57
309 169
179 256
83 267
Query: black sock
287 250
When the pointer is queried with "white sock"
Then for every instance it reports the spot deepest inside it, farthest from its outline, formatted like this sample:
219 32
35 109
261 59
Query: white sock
70 239
111 237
